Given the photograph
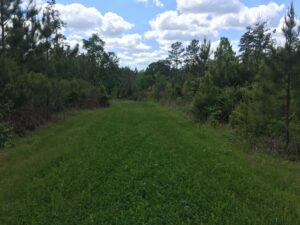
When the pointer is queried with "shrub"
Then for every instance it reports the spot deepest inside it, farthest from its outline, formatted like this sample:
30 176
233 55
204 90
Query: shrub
31 101
6 133
36 98
159 88
205 101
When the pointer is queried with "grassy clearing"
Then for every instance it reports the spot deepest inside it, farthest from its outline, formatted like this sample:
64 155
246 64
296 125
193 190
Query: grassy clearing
140 163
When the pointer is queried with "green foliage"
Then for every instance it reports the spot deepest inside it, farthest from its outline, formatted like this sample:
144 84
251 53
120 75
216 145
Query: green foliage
190 87
255 45
204 103
36 98
6 134
212 102
9 71
268 109
175 54
258 92
196 57
159 88
6 130
295 136
225 67
126 86
41 75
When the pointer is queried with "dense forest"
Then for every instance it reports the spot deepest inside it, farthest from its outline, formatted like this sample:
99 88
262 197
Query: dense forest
255 90
41 75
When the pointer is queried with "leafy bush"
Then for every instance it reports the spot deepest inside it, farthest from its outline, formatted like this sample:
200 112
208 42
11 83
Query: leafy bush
36 98
6 133
159 88
206 99
295 131
190 88
6 130
32 101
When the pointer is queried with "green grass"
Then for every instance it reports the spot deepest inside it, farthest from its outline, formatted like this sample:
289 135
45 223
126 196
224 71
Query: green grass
141 163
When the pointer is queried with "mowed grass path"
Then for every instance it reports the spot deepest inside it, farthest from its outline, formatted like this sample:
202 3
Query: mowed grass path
141 163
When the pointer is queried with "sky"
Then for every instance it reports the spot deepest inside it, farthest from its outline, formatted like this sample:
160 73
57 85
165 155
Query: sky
141 31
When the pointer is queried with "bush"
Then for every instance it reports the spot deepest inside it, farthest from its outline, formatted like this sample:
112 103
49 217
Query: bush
31 101
6 133
96 96
295 134
6 130
159 88
36 98
206 99
190 88
81 94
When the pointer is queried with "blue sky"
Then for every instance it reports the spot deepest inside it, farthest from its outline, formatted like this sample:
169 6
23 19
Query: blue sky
141 31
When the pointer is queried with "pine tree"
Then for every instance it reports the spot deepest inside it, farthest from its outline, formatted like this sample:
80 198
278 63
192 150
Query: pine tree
192 56
205 48
50 27
7 9
224 68
96 55
291 33
15 36
176 54
255 45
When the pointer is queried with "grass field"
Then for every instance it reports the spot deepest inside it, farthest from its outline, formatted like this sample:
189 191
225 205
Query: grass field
141 163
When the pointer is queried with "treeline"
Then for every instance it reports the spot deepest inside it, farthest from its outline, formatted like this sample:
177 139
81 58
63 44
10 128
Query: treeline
41 75
256 91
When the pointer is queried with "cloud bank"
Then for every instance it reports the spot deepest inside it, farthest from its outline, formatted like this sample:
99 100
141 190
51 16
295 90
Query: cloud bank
191 19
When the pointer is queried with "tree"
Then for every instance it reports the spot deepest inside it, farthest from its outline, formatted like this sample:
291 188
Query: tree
196 57
192 56
176 54
291 33
110 70
224 50
7 10
204 53
128 85
15 36
161 67
95 48
33 28
255 45
224 68
96 54
262 40
51 24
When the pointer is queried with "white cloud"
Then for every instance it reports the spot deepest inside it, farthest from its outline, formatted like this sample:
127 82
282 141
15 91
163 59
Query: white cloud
142 59
209 6
192 19
81 19
196 19
130 42
157 3
248 16
172 26
114 24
